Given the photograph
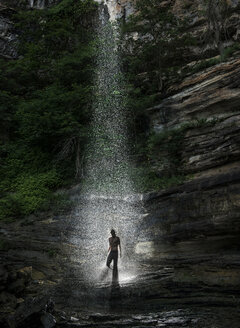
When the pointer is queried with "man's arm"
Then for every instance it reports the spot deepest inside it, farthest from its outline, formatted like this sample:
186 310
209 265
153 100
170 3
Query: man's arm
109 248
120 248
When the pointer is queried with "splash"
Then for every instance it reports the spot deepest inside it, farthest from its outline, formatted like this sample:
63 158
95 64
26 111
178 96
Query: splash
107 197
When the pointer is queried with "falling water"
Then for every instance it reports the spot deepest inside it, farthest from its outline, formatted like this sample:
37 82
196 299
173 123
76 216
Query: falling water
107 197
39 4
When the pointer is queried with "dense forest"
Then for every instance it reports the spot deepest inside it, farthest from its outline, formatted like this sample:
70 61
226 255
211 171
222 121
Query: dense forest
45 104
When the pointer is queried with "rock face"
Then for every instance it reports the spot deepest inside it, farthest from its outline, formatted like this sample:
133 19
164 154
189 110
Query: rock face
195 227
118 8
8 35
211 100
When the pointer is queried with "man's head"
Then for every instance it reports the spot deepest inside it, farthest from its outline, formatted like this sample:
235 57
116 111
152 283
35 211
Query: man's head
113 232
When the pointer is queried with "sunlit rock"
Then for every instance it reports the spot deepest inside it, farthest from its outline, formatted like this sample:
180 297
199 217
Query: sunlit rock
145 248
118 8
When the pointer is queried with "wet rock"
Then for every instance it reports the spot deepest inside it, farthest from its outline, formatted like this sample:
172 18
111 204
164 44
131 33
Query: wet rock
25 274
7 300
17 287
48 320
37 275
74 319
32 313
3 277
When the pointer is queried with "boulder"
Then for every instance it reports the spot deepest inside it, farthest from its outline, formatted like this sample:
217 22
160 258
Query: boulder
17 287
33 313
48 320
25 274
7 299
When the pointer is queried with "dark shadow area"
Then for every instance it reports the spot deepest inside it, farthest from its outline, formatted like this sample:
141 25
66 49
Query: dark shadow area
115 295
115 278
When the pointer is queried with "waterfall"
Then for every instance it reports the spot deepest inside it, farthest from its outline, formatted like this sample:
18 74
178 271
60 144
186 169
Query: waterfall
108 152
114 8
39 4
107 198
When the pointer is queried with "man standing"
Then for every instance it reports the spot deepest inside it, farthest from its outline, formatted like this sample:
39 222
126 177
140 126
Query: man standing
114 243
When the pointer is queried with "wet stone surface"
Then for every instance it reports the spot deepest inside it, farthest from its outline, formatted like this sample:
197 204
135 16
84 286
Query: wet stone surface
195 317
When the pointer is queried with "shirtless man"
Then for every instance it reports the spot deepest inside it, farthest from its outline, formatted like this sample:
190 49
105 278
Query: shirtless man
114 243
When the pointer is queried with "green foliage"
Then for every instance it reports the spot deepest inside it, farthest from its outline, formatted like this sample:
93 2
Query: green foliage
45 105
153 59
31 192
203 64
146 179
159 45
52 252
170 142
169 145
161 157
229 51
217 13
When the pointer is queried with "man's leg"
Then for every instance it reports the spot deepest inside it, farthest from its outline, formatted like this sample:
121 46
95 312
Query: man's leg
115 260
109 259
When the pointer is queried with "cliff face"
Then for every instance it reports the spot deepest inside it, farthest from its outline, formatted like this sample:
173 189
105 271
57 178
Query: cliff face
8 35
195 227
118 8
210 98
8 39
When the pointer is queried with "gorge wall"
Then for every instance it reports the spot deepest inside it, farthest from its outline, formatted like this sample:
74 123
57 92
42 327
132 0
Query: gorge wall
195 227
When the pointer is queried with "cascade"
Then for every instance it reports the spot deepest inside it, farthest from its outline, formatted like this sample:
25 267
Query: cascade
107 198
39 4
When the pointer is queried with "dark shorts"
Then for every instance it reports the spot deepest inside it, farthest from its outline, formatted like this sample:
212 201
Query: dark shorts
113 256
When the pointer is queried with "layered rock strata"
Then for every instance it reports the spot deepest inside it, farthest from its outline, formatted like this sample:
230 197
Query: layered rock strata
209 102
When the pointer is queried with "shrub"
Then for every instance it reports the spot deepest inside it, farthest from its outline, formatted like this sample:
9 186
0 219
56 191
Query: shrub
31 193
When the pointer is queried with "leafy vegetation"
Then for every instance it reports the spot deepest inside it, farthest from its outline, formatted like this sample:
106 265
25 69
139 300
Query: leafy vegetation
162 155
227 52
52 252
217 13
159 45
45 105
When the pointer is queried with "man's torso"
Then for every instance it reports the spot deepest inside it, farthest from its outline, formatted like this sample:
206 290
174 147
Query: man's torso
114 242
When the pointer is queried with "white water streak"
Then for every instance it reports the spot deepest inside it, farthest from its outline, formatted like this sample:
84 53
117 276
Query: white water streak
107 167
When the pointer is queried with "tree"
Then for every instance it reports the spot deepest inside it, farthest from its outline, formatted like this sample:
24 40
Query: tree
45 104
159 42
217 14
